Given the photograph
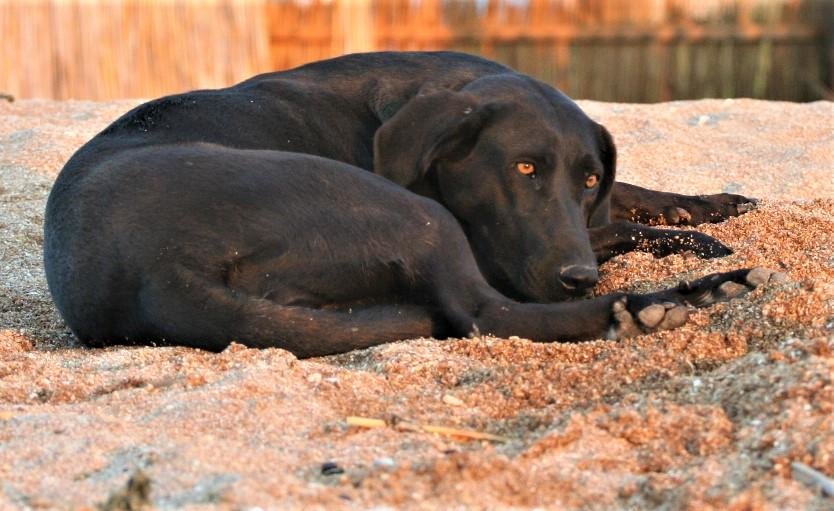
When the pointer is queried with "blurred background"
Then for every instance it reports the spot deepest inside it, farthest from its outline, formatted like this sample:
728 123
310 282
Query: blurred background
610 50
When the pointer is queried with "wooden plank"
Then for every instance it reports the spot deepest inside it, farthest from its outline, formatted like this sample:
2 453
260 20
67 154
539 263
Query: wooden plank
638 50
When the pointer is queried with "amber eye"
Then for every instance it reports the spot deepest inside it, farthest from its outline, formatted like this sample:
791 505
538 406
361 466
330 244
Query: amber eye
591 181
525 168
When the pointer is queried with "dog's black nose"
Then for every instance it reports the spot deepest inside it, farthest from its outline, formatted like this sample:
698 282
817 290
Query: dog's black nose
578 279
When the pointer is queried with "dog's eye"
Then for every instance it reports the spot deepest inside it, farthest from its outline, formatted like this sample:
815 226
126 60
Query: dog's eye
591 181
525 167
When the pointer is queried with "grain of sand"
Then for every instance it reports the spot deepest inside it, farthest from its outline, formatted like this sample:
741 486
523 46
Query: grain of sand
708 416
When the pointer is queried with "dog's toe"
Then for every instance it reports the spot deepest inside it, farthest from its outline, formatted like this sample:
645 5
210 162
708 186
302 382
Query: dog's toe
759 276
725 286
624 325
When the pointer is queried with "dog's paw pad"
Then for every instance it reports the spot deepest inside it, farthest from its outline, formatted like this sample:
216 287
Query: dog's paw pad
684 216
674 215
651 318
730 290
778 277
759 276
675 316
745 207
652 315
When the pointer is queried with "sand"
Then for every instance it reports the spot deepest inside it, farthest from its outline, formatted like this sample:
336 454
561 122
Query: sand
708 416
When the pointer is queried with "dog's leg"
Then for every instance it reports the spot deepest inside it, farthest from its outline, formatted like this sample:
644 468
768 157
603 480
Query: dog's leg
187 307
472 306
636 204
622 237
614 316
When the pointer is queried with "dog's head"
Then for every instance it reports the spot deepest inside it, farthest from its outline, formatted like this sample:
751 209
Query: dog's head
521 167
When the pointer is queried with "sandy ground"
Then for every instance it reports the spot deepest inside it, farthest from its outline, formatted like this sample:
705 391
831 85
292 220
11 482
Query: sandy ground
708 416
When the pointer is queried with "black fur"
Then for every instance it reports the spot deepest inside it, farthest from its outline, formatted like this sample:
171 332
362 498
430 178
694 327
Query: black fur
244 213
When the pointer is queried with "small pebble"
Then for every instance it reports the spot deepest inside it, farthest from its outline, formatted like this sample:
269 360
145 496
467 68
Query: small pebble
384 463
452 400
330 468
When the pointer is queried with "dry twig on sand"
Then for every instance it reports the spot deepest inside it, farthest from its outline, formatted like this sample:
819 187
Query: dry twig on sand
366 422
813 478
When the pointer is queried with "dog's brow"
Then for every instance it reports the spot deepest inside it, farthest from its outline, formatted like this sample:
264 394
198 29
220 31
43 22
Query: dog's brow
587 162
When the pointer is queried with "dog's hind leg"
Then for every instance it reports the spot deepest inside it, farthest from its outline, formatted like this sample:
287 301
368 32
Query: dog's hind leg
189 309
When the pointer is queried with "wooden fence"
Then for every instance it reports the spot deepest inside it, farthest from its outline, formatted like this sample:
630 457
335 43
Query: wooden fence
615 50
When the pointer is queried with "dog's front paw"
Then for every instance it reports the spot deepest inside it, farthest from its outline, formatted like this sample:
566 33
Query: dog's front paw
664 310
674 242
719 287
700 209
638 315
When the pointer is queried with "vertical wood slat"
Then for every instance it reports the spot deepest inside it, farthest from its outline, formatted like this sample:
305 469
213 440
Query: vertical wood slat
634 50
99 49
626 50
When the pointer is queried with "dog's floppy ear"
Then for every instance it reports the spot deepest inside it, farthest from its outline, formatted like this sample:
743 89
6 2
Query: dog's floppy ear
440 124
601 212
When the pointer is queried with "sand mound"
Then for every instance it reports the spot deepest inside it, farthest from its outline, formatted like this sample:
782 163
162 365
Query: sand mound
710 415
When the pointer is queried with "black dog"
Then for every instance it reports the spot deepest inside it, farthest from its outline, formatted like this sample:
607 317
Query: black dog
187 221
